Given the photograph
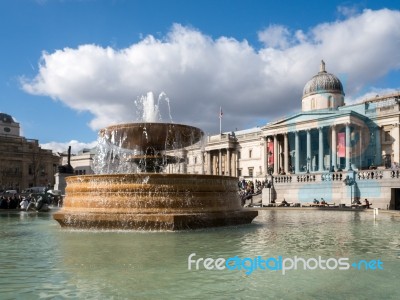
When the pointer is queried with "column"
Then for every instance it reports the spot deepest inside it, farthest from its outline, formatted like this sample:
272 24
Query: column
296 152
334 148
276 154
219 162
209 166
202 163
308 158
228 166
280 156
268 156
396 144
234 163
265 156
348 147
378 146
320 150
286 153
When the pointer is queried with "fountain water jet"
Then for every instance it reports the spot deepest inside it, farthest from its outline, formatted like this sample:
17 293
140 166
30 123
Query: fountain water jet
145 198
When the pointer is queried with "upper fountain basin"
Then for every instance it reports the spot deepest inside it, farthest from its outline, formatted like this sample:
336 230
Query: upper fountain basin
160 136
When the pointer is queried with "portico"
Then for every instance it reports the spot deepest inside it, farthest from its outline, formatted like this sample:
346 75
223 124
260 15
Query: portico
320 141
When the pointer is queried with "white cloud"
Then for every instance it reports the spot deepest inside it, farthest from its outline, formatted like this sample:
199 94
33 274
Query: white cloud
76 146
275 36
199 74
347 11
374 92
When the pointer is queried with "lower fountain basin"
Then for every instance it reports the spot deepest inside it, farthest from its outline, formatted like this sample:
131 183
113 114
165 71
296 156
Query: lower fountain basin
152 201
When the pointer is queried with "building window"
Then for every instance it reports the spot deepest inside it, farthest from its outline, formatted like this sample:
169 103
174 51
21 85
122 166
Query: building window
387 137
239 172
331 102
238 154
250 153
251 171
195 160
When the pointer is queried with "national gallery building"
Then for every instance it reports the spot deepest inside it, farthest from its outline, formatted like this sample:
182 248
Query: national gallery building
329 150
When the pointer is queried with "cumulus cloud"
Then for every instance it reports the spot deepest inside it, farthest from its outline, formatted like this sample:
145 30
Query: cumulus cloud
275 36
372 93
347 11
199 74
76 146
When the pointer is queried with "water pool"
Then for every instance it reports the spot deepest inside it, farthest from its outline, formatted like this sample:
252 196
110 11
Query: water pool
40 260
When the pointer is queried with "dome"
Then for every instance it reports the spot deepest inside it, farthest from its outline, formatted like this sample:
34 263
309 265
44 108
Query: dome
323 82
5 118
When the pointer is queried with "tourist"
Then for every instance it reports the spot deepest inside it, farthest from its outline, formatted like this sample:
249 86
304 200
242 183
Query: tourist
13 203
3 203
24 204
315 201
284 203
366 203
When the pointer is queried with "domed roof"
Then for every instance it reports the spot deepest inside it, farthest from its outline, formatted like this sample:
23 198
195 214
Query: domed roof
5 118
323 82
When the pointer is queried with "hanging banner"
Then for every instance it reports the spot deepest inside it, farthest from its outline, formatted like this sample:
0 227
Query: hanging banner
341 144
270 152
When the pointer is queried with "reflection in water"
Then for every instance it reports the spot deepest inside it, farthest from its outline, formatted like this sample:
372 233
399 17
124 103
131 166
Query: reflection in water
38 258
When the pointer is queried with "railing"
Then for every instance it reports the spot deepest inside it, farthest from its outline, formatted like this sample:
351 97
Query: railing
332 177
283 178
338 176
365 175
306 178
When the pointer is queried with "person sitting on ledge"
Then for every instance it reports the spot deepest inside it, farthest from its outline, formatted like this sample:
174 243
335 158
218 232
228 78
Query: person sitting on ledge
366 203
323 202
315 201
284 203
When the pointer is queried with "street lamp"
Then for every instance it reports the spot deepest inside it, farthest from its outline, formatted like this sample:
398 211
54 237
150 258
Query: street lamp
349 181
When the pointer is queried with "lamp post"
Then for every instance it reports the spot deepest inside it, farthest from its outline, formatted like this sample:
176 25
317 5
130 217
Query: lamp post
349 181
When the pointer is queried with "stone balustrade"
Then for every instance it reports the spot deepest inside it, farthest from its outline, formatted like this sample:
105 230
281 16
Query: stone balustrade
362 175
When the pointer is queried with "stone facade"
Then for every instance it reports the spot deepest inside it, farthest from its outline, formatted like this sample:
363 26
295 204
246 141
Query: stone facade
23 163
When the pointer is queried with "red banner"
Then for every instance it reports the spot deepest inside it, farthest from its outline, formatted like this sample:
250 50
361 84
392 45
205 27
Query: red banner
341 144
270 151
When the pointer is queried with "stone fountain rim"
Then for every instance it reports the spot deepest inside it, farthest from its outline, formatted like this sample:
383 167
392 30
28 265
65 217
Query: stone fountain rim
154 175
127 125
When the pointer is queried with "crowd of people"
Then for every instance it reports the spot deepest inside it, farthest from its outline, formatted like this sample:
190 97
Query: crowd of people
34 202
249 188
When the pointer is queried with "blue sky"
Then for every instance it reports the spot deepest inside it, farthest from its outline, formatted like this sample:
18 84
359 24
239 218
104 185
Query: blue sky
69 68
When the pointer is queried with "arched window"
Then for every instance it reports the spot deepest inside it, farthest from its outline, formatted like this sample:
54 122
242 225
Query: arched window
331 102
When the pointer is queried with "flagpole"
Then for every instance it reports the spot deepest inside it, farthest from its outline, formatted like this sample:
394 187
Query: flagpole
220 120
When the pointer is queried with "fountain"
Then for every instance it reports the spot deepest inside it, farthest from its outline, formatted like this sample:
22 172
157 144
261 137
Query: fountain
130 190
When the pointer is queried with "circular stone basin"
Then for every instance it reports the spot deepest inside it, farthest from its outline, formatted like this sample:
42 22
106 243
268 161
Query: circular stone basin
152 202
160 136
